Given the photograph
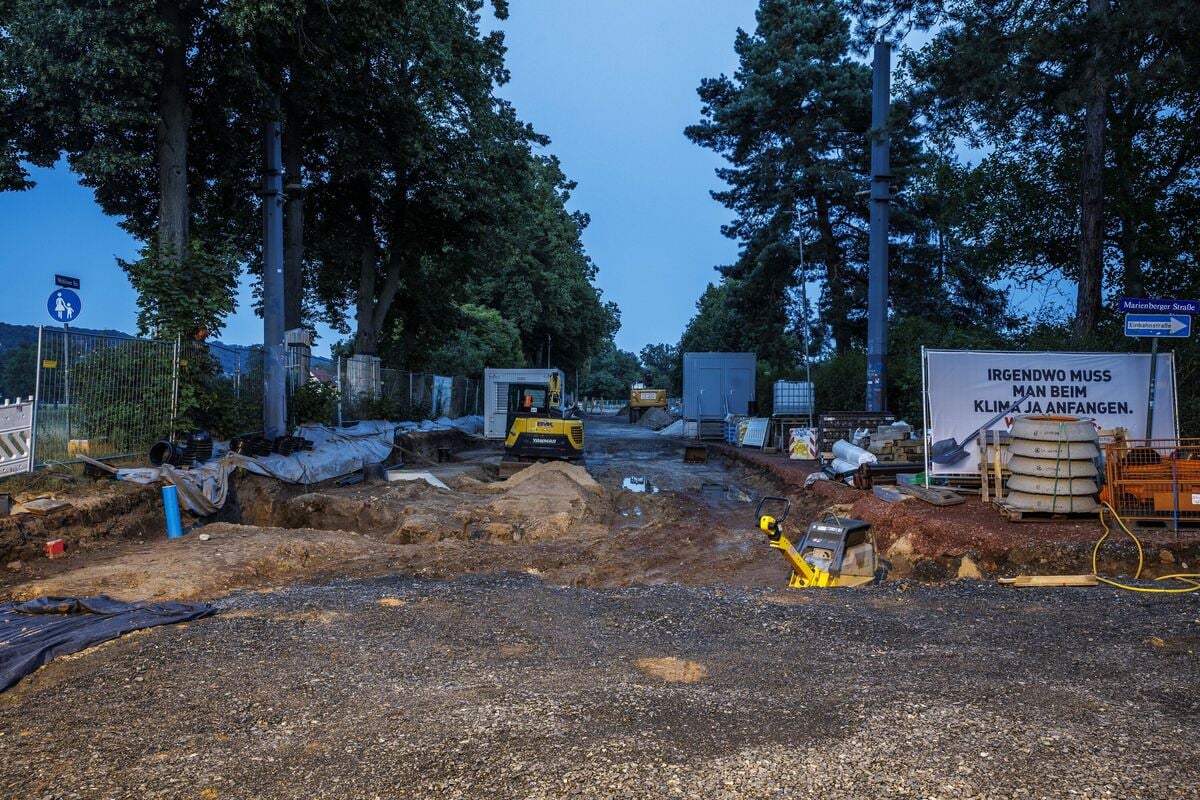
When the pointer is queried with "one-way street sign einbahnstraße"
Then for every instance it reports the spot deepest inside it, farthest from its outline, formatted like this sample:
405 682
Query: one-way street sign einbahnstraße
1168 325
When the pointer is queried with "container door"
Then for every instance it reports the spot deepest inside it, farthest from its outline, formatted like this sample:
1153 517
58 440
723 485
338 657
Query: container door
711 404
739 382
498 418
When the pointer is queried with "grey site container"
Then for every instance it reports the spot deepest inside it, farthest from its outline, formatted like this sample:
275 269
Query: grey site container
716 384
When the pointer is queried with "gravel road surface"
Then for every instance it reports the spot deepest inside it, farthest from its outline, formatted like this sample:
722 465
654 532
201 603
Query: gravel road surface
501 686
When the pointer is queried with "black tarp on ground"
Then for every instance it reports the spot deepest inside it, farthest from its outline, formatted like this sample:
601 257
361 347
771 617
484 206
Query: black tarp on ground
37 632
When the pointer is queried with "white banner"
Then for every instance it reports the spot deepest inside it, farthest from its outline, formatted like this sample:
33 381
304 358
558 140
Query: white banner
967 389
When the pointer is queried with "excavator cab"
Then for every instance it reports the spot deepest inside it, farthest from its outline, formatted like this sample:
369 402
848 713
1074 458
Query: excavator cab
537 429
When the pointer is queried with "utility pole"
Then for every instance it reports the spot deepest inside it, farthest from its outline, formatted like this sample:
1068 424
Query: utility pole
274 399
877 277
804 313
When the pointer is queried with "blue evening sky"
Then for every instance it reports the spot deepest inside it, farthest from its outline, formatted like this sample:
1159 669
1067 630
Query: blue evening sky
612 83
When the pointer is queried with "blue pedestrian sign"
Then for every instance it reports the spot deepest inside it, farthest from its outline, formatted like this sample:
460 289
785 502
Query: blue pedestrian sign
64 305
1176 326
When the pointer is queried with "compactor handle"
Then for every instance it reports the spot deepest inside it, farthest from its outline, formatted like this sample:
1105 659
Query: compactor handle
772 525
787 507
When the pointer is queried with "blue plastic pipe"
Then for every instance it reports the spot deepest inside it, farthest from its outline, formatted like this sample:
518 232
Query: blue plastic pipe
171 510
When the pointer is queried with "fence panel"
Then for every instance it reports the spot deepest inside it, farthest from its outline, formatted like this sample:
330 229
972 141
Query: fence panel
102 396
1154 483
402 395
231 380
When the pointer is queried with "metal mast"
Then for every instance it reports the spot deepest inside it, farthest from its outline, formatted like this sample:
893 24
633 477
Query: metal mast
274 400
877 276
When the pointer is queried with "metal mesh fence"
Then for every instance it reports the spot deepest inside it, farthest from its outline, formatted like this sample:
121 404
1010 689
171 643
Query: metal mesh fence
111 396
401 395
102 396
230 380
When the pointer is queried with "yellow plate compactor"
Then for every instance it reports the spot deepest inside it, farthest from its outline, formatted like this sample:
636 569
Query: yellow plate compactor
834 552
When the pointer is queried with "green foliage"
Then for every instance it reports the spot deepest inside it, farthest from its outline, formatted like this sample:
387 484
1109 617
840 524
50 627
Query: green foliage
1015 80
482 339
314 402
539 276
18 372
717 325
662 363
210 400
423 195
397 408
183 301
610 373
793 123
840 382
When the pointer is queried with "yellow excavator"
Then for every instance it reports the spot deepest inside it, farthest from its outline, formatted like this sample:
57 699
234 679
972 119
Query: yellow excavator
537 427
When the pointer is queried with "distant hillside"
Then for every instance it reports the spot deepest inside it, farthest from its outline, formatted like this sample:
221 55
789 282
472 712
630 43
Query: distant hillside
232 357
16 335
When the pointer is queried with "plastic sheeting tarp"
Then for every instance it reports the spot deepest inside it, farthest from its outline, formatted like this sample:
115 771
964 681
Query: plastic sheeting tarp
336 451
470 425
37 632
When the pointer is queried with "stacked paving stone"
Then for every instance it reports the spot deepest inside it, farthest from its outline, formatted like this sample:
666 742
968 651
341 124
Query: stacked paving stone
894 443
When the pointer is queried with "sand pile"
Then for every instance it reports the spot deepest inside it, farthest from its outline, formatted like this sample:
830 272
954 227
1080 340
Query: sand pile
545 500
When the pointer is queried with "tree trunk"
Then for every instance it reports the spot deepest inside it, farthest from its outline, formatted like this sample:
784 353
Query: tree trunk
832 256
366 341
372 310
293 223
1091 206
173 212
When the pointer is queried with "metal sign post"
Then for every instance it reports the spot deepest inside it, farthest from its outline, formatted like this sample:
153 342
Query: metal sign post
1172 321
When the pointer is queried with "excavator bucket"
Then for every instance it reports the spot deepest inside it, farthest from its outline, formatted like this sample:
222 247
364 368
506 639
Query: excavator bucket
695 454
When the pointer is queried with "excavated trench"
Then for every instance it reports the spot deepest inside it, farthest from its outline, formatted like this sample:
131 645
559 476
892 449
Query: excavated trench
636 515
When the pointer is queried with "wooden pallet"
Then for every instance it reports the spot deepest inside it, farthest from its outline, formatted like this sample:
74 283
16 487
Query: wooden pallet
1013 514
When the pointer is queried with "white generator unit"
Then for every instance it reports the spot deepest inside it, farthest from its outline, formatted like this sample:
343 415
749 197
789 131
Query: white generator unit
495 395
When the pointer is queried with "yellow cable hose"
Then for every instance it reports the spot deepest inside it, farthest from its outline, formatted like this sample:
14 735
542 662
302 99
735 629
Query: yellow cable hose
1190 578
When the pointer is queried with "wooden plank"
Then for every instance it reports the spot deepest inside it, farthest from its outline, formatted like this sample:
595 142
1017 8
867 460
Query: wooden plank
45 507
1022 581
999 493
983 470
933 496
98 464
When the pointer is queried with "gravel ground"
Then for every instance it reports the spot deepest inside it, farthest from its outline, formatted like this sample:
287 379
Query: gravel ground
505 687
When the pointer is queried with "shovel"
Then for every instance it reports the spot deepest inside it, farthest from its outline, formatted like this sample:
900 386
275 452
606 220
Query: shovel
949 451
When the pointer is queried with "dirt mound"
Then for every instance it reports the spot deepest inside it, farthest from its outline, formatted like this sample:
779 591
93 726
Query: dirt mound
538 472
547 503
235 556
655 419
